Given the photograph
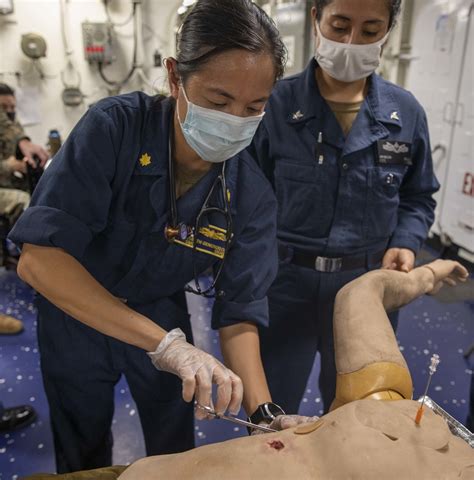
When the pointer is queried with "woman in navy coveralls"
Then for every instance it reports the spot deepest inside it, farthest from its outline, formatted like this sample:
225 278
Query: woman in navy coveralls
348 155
111 283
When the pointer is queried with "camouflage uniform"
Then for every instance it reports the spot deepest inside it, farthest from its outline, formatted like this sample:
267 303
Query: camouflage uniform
10 134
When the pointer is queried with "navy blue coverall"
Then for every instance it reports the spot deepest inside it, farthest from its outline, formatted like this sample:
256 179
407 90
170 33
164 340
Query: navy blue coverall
105 201
345 198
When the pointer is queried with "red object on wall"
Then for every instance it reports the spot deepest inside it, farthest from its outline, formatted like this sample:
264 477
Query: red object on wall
468 185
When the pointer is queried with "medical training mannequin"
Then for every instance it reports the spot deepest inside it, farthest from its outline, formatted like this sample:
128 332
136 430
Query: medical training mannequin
364 439
380 434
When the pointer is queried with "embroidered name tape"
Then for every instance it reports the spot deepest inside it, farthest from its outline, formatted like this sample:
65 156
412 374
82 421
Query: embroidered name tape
210 240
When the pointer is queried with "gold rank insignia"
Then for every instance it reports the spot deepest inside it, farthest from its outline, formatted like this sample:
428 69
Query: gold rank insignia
145 160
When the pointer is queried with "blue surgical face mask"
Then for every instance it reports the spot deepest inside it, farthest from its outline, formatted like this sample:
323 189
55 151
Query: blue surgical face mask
217 136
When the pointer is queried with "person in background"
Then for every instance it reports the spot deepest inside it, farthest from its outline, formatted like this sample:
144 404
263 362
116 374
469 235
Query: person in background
16 148
145 195
16 153
349 157
12 203
14 143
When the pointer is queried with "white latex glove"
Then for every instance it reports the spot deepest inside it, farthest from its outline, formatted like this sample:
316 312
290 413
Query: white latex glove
282 422
198 370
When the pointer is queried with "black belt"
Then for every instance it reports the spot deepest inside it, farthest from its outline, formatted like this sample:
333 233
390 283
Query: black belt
328 264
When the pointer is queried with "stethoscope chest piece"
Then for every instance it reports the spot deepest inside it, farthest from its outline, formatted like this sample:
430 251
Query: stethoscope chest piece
179 232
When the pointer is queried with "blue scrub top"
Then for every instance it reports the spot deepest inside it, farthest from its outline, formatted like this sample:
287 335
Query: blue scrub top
105 200
372 190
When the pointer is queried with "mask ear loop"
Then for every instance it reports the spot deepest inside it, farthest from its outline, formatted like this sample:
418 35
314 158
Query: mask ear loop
187 101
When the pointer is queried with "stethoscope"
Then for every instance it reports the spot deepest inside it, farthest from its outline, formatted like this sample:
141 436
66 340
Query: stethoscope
175 230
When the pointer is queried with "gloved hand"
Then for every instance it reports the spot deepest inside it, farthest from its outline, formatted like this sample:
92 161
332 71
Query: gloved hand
198 370
282 422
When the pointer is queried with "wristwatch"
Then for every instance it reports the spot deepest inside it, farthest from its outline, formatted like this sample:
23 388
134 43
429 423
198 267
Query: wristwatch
266 412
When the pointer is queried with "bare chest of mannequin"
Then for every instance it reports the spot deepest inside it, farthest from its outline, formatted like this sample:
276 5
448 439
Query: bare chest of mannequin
364 440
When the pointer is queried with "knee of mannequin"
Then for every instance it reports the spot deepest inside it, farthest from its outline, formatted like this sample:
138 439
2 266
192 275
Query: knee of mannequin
378 381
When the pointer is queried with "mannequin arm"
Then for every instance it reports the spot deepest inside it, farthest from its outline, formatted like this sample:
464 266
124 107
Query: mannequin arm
368 360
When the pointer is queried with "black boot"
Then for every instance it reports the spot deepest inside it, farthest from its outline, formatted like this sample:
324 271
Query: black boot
16 417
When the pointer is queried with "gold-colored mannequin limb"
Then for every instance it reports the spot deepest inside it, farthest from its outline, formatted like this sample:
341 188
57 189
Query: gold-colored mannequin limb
378 381
368 361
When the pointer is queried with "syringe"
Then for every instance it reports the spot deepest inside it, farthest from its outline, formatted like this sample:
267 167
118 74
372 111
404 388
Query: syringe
433 366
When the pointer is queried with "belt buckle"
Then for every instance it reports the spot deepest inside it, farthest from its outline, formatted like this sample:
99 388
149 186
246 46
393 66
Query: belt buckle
328 265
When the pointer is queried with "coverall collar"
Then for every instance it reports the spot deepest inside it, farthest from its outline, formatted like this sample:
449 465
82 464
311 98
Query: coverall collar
379 109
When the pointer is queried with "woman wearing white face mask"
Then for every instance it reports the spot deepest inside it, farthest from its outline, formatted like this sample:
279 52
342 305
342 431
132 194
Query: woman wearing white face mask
349 157
145 195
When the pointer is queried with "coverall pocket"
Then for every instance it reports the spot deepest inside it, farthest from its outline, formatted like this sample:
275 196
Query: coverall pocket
382 201
299 191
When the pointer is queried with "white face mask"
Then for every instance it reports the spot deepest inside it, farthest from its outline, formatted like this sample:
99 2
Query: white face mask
347 62
217 136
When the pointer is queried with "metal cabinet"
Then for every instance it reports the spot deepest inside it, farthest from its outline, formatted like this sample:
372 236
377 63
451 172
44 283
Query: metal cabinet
440 76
